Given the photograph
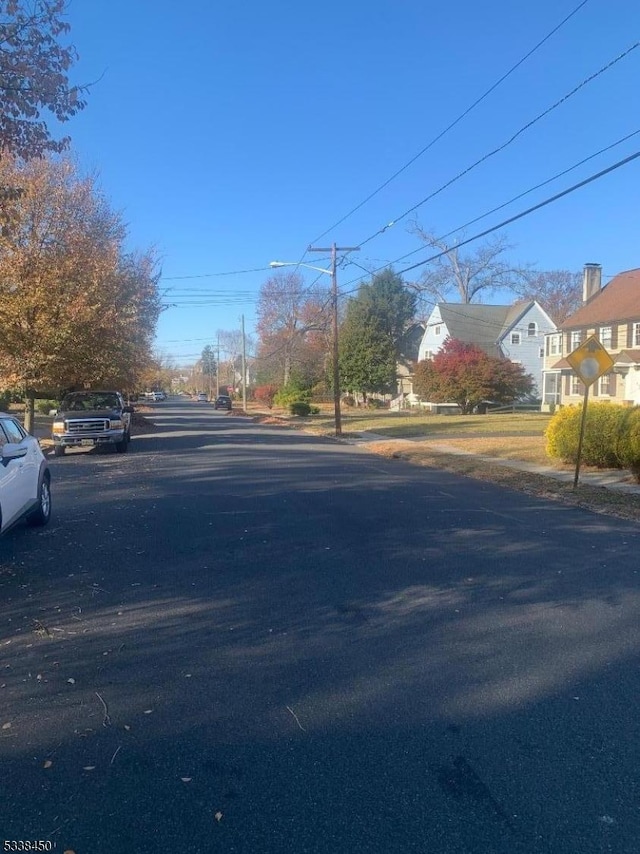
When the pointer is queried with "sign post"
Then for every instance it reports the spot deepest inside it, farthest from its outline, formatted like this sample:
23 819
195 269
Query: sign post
590 361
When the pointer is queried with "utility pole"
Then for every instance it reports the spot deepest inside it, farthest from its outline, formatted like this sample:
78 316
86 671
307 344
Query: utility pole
244 369
218 368
333 249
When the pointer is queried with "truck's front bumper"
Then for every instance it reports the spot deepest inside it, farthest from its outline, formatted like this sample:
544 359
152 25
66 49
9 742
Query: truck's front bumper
109 438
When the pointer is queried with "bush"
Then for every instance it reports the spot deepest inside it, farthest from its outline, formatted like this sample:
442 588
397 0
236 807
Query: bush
376 403
629 442
603 435
45 406
291 393
265 394
299 407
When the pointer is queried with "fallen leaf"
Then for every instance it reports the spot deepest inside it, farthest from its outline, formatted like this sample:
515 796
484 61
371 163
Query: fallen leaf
127 727
148 711
89 768
47 763
71 681
6 726
186 779
218 816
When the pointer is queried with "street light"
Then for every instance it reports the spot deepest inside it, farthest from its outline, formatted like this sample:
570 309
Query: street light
334 300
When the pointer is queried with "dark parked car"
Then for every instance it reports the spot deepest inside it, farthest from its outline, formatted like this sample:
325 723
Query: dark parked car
223 401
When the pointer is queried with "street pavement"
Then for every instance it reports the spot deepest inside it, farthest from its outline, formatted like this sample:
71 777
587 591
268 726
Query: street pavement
237 638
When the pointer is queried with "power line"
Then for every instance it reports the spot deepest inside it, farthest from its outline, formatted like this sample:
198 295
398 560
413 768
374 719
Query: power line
500 225
505 144
530 210
524 193
454 123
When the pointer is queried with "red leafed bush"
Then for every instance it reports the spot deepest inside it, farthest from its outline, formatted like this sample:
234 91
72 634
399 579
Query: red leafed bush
265 393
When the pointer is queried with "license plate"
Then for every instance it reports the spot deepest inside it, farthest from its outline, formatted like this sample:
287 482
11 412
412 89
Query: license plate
87 442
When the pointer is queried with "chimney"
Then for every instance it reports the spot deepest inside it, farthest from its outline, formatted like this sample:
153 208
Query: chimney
591 281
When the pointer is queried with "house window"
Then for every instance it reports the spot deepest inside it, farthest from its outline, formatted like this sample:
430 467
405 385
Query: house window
555 345
515 337
541 352
605 336
604 385
532 330
636 334
576 339
438 330
577 386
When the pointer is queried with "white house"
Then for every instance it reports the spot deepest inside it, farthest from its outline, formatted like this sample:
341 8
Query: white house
514 332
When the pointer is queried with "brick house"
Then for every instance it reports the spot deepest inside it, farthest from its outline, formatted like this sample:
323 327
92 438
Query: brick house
613 314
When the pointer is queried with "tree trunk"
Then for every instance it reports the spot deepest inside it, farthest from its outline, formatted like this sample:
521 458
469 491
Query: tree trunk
29 412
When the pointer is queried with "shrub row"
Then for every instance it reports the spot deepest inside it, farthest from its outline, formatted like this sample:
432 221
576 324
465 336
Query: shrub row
611 436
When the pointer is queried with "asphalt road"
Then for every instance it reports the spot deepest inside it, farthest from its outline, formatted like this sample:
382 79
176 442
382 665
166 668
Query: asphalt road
239 638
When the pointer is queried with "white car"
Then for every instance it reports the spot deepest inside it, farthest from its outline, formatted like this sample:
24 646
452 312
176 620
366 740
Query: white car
24 477
202 398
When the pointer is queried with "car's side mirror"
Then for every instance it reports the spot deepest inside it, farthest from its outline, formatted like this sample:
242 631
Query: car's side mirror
129 409
13 451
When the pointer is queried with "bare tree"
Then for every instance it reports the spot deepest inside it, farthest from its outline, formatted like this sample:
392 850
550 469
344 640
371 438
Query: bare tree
559 292
290 318
467 276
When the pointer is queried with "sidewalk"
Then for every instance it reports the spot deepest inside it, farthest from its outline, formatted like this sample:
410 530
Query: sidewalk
615 479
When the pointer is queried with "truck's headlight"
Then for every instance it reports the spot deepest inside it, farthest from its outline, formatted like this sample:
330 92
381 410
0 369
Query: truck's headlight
58 427
116 424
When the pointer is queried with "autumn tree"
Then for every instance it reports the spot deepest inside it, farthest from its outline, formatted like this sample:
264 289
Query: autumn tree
464 374
559 292
293 324
76 309
466 276
34 76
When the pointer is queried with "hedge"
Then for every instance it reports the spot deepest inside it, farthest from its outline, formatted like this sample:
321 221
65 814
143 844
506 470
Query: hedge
611 436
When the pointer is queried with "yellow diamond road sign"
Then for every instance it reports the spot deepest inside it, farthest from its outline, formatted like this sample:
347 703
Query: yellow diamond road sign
590 360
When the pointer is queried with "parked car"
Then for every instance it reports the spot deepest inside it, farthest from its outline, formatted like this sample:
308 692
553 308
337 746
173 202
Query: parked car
202 397
24 477
88 418
223 401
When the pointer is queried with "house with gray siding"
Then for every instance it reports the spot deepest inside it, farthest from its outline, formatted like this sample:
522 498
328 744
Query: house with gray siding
515 332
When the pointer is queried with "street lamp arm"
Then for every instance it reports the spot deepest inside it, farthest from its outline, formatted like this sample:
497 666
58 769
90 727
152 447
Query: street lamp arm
299 264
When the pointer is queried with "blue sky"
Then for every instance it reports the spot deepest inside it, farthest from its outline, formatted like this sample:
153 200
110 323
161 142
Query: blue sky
233 134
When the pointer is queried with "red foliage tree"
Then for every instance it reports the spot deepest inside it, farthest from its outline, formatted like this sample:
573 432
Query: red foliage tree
464 374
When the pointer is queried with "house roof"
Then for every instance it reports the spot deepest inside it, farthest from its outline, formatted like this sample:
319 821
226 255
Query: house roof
483 325
619 300
624 357
627 357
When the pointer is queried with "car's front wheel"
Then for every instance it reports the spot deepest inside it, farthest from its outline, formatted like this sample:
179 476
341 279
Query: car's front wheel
121 447
42 513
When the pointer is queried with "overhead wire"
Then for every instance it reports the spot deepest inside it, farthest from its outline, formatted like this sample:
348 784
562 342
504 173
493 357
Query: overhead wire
505 144
453 124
